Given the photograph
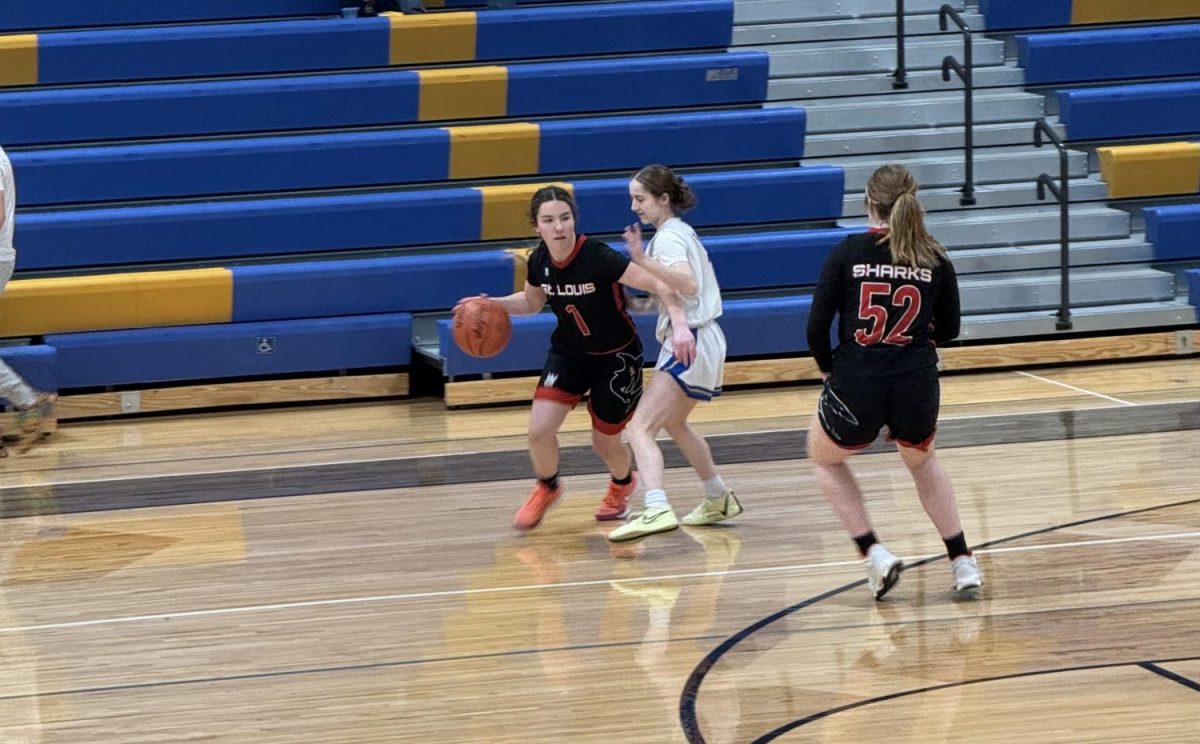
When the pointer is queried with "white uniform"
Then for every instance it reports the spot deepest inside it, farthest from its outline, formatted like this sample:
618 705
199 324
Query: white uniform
12 387
675 242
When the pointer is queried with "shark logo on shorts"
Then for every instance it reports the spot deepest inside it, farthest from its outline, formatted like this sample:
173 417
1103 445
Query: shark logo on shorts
830 405
626 382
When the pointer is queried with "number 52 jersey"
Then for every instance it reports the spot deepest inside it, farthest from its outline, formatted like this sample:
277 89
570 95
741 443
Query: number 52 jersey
891 317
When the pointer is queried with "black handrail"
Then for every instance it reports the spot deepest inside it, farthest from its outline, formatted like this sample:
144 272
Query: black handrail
1062 192
901 74
966 72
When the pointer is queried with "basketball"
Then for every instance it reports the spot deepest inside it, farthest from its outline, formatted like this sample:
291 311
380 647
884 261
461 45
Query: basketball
482 327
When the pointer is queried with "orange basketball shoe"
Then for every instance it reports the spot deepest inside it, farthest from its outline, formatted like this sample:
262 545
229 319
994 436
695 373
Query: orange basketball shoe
534 509
616 501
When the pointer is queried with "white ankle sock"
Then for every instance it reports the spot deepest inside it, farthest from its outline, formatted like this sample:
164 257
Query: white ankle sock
656 498
714 488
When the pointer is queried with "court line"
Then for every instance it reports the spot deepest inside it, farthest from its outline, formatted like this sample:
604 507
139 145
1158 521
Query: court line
1168 674
376 598
1076 389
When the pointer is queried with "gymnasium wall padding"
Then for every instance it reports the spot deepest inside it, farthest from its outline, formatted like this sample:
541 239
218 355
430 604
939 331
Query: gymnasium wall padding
1144 110
212 50
1110 54
37 363
24 14
289 226
1150 170
232 350
78 175
753 327
1015 14
363 99
363 286
1173 231
32 307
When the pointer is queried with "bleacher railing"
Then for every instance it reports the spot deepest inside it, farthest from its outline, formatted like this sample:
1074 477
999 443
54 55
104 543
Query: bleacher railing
1062 192
901 74
965 71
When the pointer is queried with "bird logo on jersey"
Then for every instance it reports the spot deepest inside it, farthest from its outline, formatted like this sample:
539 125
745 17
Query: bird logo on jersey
626 382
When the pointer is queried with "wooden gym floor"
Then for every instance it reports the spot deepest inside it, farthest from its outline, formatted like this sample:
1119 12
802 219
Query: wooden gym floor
348 574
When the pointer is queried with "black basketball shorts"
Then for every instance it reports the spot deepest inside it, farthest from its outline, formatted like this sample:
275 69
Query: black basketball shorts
852 410
613 382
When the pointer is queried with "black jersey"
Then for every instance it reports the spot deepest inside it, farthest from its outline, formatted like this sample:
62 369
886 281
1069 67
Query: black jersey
891 317
586 296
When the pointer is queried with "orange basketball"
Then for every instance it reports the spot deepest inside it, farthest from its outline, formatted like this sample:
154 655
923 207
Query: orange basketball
482 327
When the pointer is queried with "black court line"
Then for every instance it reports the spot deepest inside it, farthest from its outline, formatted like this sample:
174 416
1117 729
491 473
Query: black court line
773 735
1185 681
439 470
691 689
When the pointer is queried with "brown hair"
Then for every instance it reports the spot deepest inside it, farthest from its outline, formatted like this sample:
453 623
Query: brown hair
892 191
659 180
548 194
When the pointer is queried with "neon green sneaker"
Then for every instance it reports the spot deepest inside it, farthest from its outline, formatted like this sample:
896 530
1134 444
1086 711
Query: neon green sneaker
649 522
711 511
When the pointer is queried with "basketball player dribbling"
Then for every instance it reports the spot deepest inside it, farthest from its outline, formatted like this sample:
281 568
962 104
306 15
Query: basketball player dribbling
896 293
595 350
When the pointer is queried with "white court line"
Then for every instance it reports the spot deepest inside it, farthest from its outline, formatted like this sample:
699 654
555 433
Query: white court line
1077 389
536 587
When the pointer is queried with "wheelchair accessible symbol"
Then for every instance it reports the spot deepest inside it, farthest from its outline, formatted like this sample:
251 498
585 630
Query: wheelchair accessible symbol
265 345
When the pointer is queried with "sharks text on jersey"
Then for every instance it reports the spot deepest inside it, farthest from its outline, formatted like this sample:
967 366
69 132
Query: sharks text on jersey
888 271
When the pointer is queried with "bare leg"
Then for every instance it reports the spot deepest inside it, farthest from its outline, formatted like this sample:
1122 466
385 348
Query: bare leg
934 488
545 420
837 482
613 452
661 402
692 445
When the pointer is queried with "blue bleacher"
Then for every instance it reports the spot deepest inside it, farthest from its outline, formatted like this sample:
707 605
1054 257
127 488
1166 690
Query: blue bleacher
37 363
1174 231
1110 54
1017 14
327 161
364 99
297 225
23 15
1193 280
1125 111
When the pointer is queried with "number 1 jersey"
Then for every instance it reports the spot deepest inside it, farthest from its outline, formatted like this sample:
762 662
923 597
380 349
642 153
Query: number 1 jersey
891 317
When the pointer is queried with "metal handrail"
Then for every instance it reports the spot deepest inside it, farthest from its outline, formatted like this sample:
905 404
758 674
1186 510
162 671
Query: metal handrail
901 74
966 72
1062 192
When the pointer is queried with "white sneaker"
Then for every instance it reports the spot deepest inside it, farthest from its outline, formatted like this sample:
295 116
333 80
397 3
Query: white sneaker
966 573
883 570
711 511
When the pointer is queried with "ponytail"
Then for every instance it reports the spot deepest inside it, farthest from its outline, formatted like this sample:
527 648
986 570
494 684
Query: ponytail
892 190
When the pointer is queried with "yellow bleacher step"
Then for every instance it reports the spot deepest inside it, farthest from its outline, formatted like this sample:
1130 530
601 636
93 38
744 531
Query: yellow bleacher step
1151 170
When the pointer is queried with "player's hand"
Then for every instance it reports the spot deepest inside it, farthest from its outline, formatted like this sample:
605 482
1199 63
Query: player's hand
684 344
458 305
633 241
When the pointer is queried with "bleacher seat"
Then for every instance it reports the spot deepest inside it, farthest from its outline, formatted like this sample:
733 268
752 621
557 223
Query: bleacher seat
22 15
85 114
288 46
297 225
1193 280
1174 231
1110 54
1022 14
37 363
337 160
1127 111
1151 170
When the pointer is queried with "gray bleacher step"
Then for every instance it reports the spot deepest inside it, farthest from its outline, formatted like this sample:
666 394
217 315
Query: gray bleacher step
914 140
880 83
986 228
1015 194
947 167
845 57
1039 290
1048 255
1113 317
840 115
770 11
842 28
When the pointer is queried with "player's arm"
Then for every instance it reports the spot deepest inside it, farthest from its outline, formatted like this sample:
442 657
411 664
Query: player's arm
528 301
825 304
682 340
678 276
947 308
3 209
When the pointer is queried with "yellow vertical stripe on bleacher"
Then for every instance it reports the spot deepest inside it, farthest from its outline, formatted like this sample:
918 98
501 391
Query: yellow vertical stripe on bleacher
506 210
114 301
1151 170
520 258
1109 11
463 93
19 59
435 37
494 150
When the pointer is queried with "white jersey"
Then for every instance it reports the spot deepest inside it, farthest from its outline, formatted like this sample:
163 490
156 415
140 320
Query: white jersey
675 241
9 188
